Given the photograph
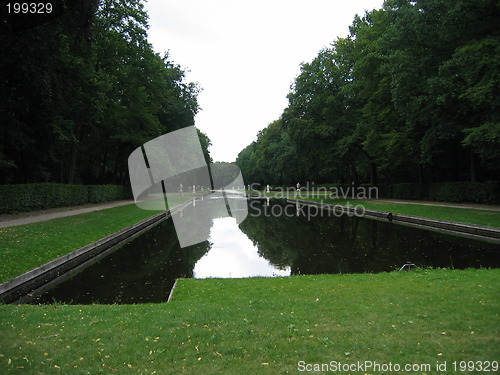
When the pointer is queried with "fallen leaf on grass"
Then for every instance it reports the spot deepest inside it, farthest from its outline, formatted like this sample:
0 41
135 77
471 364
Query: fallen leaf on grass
112 369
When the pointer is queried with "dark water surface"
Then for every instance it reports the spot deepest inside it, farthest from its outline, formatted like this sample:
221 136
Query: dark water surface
271 241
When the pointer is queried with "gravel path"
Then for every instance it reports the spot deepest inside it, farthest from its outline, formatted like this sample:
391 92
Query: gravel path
54 213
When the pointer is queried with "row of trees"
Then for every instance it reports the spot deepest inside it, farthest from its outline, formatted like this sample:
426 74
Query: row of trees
411 95
81 88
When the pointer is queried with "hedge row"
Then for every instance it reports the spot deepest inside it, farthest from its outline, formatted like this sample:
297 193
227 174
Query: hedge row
29 197
467 192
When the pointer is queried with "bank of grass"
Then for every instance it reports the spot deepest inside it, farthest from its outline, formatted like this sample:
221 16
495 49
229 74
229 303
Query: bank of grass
265 326
25 247
463 215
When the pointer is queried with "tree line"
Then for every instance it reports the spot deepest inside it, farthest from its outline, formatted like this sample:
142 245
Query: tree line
411 95
81 88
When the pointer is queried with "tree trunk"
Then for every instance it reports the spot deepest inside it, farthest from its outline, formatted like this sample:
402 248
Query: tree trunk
472 167
420 174
72 163
74 153
373 174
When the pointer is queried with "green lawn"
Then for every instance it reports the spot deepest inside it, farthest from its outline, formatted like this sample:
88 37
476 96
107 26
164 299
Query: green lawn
25 247
463 215
266 326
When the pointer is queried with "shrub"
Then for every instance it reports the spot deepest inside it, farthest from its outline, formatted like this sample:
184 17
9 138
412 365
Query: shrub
474 192
409 191
29 197
106 193
467 192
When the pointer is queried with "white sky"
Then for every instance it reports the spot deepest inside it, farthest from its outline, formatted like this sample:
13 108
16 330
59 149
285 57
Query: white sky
245 55
233 254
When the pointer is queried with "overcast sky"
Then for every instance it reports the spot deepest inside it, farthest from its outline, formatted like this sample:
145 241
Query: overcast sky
245 55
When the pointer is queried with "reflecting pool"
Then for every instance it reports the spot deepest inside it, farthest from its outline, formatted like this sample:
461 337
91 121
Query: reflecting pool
275 239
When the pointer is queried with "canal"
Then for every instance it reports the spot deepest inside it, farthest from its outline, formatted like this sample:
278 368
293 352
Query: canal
275 240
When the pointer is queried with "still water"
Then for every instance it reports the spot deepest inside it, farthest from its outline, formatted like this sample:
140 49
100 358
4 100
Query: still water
233 254
274 240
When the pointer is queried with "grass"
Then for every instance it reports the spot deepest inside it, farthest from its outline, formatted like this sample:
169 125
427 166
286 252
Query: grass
25 247
463 215
35 244
265 326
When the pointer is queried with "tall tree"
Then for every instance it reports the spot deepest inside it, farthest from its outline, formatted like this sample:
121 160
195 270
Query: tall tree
409 96
79 93
39 53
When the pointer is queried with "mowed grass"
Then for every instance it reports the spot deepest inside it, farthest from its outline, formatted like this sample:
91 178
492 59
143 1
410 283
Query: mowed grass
462 215
25 247
265 326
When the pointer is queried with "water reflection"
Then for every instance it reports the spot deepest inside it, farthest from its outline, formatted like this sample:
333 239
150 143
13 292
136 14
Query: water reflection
144 270
313 243
232 254
266 244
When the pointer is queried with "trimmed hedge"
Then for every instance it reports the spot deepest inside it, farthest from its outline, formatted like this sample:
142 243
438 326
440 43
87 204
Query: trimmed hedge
29 197
466 192
403 191
107 193
475 192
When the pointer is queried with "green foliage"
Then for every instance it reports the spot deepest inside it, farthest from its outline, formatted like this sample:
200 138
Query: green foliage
408 191
29 197
472 192
81 92
205 145
107 193
484 140
410 96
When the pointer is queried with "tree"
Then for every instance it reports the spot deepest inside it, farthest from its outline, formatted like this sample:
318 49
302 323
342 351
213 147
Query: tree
38 58
409 96
79 93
